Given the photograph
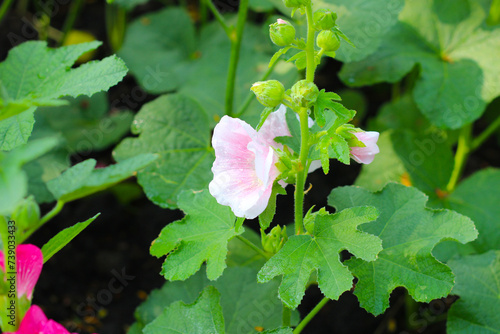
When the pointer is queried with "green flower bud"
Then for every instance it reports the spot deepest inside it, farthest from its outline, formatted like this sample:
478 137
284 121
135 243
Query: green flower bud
274 240
324 19
26 214
282 33
328 40
296 3
269 93
304 93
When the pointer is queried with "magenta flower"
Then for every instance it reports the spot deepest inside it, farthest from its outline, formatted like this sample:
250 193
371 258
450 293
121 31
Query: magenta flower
35 322
365 155
245 163
29 262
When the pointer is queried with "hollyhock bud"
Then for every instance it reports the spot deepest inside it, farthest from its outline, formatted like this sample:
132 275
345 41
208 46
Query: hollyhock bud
365 155
324 19
328 40
274 240
304 93
282 33
269 93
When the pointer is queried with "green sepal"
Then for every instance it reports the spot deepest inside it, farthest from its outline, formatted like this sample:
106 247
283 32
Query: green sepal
263 116
266 217
278 54
300 60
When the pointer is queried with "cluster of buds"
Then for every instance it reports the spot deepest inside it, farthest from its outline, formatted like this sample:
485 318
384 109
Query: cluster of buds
325 21
274 240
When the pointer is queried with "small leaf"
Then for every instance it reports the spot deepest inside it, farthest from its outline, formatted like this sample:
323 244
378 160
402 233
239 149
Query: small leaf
409 231
478 285
13 180
278 54
201 317
34 75
304 254
83 179
201 236
62 238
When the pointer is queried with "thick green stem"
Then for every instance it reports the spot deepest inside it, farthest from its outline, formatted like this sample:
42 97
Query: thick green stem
286 316
479 140
75 8
301 174
236 36
55 210
311 315
253 246
218 17
463 151
5 8
311 61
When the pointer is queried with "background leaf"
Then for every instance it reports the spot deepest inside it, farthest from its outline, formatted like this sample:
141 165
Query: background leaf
478 285
177 129
201 236
34 75
203 316
197 66
245 303
409 231
84 179
458 74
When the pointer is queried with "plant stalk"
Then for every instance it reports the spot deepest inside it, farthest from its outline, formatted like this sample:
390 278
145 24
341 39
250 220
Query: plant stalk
116 24
311 315
218 17
463 151
75 8
479 140
301 174
310 61
5 8
253 246
236 37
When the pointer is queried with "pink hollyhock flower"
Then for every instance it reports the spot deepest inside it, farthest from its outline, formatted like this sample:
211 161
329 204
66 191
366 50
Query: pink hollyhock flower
35 322
29 262
365 155
245 163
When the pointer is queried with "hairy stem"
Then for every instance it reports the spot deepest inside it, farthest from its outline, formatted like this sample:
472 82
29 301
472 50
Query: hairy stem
311 315
253 246
311 62
461 155
301 174
236 37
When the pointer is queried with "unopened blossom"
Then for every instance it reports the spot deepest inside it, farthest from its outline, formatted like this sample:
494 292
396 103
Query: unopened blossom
245 164
29 262
35 322
365 155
